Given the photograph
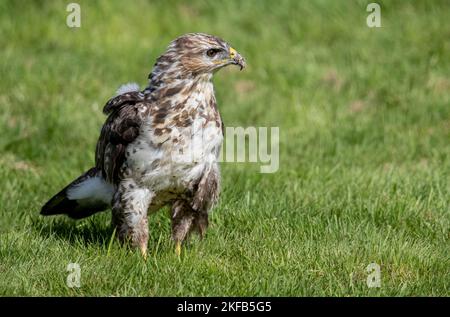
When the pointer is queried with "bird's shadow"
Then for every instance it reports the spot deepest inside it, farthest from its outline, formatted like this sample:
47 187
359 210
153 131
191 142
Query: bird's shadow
90 231
95 230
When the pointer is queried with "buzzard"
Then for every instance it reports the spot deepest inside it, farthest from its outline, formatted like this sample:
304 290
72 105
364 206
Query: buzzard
158 147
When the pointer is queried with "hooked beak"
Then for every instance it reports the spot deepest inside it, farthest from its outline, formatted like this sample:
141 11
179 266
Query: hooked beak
236 58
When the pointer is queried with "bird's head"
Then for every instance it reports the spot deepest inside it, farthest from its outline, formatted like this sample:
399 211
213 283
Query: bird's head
196 54
203 53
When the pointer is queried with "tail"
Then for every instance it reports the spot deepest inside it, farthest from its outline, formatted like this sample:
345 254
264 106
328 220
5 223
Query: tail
85 196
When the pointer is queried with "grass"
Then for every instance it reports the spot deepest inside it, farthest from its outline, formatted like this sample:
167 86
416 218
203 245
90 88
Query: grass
364 117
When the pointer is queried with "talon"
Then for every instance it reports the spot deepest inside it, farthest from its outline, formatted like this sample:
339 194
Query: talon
178 248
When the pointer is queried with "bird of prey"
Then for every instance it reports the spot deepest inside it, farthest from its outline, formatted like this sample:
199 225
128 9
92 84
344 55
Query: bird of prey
158 147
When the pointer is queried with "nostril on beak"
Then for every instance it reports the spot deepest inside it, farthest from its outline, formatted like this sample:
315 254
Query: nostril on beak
233 53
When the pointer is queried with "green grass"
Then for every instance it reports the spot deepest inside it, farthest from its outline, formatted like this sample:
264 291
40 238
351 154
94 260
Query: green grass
364 117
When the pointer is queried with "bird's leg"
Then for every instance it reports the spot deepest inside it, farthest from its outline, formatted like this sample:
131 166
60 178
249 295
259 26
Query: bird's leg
178 248
182 217
129 215
193 215
201 223
205 196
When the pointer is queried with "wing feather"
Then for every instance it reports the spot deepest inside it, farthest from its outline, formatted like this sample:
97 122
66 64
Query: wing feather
126 114
125 99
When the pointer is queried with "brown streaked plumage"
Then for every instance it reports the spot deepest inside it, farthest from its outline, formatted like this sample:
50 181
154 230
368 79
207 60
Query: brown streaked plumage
158 146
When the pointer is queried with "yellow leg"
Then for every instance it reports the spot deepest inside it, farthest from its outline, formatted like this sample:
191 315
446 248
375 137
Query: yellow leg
178 248
144 252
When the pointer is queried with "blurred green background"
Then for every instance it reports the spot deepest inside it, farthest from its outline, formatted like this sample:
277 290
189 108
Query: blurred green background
364 117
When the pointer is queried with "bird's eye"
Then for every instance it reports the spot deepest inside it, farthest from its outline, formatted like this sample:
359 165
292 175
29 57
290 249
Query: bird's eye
212 52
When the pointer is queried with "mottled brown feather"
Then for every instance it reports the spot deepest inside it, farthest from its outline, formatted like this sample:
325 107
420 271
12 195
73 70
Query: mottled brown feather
126 112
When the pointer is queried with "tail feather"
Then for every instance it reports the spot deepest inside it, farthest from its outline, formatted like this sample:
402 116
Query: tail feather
85 196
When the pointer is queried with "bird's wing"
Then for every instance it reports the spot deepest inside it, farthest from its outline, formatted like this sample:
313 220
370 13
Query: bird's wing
126 114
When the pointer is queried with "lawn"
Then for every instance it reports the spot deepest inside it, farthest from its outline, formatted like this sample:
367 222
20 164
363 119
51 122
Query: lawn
364 174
